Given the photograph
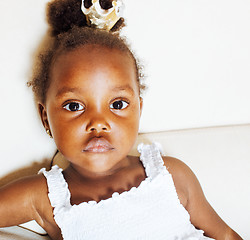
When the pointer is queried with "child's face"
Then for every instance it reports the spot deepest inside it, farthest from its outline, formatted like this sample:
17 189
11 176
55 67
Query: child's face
93 107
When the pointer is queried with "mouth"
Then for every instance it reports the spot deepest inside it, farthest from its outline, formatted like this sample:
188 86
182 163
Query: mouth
98 145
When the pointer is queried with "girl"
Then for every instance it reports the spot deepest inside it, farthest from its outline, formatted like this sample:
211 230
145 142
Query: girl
88 90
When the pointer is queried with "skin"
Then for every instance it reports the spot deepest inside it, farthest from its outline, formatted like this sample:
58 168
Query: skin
100 85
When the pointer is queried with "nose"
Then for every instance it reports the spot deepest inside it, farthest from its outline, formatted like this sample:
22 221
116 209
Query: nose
98 124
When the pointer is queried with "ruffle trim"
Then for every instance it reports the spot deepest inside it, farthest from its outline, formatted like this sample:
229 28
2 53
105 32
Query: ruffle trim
152 160
145 184
59 194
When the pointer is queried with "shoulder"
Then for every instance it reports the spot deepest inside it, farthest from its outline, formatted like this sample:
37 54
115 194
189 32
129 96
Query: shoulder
190 193
34 188
40 200
178 169
184 179
27 187
42 211
21 199
37 202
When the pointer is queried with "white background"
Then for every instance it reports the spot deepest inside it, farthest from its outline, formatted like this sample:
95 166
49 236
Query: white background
196 55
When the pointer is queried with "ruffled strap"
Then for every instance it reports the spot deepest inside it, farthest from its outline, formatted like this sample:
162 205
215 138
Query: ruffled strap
59 194
152 160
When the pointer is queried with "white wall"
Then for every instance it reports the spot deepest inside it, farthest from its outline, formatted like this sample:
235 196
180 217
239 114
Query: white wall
197 57
22 137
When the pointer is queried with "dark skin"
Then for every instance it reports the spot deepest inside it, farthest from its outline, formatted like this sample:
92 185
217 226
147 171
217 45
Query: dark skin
93 109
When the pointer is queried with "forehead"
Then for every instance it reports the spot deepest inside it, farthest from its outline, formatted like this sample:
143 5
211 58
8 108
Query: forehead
94 61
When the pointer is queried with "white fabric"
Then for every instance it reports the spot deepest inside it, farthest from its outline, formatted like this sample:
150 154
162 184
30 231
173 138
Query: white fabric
150 211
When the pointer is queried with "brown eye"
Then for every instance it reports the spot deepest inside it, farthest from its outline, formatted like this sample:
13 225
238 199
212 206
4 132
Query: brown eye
73 107
118 105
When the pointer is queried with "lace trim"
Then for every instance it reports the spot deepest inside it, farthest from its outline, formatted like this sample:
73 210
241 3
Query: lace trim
59 194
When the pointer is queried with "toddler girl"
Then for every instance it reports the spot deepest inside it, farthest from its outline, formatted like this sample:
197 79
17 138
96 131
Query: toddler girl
88 90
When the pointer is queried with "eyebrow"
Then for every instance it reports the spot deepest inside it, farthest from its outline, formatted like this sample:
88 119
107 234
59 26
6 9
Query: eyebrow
126 87
65 90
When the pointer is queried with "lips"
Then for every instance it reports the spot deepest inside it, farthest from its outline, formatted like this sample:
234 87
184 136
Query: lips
98 145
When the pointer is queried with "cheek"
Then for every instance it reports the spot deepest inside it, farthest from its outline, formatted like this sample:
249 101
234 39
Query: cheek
128 139
127 129
66 134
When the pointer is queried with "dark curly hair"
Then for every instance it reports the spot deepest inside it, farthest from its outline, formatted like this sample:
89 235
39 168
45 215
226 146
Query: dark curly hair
69 30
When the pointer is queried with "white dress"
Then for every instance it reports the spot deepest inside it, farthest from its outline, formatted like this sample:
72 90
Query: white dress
152 211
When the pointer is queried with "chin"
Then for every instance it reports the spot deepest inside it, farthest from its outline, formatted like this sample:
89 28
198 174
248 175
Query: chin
100 164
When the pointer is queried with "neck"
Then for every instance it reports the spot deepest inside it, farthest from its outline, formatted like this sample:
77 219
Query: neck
86 175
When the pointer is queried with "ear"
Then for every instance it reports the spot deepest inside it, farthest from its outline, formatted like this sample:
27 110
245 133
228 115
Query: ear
141 105
43 115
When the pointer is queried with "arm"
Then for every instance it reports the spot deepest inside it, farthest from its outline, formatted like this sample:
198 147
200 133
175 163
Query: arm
17 201
202 215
